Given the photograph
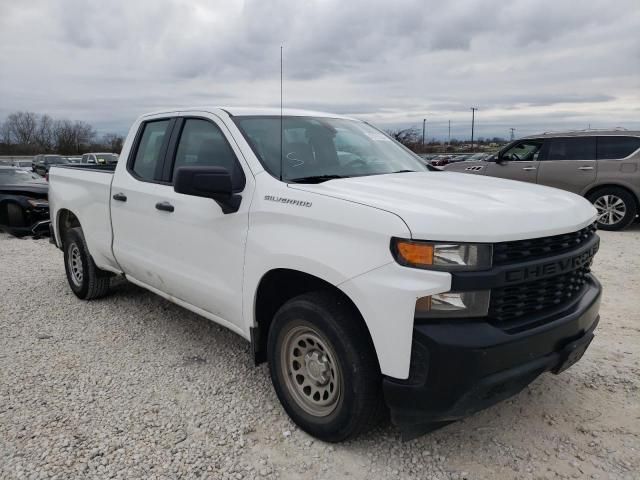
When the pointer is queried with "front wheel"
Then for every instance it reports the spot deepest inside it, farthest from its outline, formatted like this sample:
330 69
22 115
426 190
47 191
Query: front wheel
616 208
86 280
323 367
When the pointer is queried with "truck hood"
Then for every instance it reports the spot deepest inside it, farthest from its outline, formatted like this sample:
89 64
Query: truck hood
460 207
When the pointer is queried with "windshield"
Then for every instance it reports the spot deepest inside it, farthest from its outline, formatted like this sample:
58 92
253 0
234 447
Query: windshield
10 176
314 148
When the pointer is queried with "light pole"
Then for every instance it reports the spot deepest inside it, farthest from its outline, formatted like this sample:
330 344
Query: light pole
424 126
473 121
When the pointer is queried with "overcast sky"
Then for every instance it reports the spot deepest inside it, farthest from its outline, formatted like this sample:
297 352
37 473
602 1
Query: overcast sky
534 65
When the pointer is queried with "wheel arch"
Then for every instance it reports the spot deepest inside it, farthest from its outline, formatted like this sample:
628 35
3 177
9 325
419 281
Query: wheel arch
65 220
604 186
274 289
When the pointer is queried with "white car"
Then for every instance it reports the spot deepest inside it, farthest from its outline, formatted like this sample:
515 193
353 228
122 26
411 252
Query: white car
366 279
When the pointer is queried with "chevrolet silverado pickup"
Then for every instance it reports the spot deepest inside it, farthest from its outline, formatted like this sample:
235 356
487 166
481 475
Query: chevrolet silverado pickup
369 282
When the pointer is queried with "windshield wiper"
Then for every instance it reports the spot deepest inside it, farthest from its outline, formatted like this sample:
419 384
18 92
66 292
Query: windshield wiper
315 178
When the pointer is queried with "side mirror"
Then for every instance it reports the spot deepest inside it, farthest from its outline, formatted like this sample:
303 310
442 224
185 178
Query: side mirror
500 160
208 182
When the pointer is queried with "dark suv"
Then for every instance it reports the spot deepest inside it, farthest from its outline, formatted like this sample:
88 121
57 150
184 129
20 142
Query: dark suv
603 166
42 163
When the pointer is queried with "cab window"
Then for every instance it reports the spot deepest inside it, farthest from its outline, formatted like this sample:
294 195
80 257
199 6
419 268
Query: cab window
148 154
202 144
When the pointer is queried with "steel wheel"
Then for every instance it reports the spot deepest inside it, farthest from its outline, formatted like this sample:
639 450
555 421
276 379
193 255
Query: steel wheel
75 264
312 376
611 209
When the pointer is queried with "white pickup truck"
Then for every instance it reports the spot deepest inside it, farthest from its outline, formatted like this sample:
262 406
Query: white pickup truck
369 281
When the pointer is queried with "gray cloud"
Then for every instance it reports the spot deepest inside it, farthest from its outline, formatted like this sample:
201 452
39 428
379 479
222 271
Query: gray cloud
543 64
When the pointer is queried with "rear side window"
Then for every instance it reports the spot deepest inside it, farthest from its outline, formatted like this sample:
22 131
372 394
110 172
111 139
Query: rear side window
578 148
617 147
202 144
147 159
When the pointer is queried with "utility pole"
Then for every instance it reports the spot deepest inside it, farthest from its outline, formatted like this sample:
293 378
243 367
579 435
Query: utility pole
512 134
449 132
424 126
473 121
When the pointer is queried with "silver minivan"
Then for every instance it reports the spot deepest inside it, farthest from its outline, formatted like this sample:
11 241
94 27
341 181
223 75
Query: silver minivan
603 166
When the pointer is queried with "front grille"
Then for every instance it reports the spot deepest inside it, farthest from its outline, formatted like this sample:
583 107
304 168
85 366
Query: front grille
523 250
535 297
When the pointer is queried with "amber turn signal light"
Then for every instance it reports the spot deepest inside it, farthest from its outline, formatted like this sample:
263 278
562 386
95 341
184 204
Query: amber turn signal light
415 253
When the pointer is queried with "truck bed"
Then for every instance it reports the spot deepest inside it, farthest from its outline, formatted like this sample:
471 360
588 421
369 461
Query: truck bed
85 189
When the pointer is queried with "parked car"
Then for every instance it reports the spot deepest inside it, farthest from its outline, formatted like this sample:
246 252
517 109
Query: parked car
603 166
100 158
440 160
24 208
42 163
368 281
22 164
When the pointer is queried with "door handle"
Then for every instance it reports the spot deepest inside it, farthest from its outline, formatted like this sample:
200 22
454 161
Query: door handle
585 168
164 206
121 197
528 169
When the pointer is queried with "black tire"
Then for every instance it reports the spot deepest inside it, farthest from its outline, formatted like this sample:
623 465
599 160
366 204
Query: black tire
599 200
15 215
359 405
87 282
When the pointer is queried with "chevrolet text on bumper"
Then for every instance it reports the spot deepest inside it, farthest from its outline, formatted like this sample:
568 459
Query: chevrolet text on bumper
368 281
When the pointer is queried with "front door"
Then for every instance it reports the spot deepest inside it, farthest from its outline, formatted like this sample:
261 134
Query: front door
568 163
518 162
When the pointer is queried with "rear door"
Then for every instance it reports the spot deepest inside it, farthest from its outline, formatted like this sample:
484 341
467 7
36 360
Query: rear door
135 191
517 162
568 163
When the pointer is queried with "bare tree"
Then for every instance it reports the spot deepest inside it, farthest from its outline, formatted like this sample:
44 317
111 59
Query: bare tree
44 137
23 127
5 135
63 135
113 142
84 135
409 137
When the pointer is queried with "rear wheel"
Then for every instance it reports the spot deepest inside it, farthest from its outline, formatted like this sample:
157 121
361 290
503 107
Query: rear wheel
323 367
86 280
616 208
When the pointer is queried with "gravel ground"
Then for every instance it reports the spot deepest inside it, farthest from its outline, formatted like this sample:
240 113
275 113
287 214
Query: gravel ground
132 386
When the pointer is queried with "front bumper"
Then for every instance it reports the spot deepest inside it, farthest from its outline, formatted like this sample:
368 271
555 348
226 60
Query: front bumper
461 366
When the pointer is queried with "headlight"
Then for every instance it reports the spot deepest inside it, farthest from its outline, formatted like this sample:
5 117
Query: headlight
454 305
443 256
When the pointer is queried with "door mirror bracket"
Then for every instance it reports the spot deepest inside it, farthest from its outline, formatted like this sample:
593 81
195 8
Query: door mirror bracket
208 182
